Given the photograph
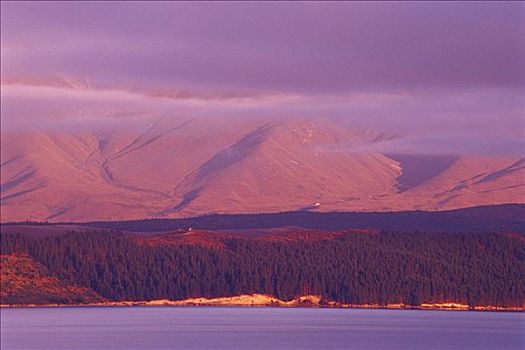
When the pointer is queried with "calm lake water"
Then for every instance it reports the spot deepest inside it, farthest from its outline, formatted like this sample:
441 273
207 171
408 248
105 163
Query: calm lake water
258 328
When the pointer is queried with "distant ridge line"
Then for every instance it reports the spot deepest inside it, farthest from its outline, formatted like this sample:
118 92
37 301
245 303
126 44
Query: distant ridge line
507 218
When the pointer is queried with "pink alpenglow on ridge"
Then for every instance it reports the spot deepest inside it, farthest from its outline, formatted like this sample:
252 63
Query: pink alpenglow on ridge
132 109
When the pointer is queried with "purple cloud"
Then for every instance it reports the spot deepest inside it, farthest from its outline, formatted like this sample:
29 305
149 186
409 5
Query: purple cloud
420 68
307 47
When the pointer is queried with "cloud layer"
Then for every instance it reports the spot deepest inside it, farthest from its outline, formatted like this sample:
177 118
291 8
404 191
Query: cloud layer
422 68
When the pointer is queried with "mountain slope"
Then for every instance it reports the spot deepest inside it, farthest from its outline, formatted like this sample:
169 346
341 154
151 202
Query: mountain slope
177 168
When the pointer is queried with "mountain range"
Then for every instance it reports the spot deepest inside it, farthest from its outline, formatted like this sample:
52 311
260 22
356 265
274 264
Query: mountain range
174 168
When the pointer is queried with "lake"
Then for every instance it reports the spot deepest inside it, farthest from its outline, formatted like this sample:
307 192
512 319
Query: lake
257 328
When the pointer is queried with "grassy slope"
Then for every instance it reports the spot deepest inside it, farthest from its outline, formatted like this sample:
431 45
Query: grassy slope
24 280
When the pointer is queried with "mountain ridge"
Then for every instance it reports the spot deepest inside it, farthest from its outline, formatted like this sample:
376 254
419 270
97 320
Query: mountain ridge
185 168
504 218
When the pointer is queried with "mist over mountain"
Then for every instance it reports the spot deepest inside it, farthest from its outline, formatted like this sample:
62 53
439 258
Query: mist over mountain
131 111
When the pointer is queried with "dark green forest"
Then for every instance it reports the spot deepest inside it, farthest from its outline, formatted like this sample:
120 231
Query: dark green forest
389 267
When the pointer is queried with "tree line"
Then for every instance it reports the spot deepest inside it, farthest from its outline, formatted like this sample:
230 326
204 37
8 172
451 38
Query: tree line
389 267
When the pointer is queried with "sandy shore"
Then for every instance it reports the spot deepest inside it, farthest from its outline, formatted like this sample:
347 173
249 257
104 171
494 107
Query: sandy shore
261 300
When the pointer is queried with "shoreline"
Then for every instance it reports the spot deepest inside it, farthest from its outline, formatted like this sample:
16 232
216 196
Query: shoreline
262 301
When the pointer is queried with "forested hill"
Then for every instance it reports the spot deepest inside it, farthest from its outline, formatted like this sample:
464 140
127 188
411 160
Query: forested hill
495 218
383 268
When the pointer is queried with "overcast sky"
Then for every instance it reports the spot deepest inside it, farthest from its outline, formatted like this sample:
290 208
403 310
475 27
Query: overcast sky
428 70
